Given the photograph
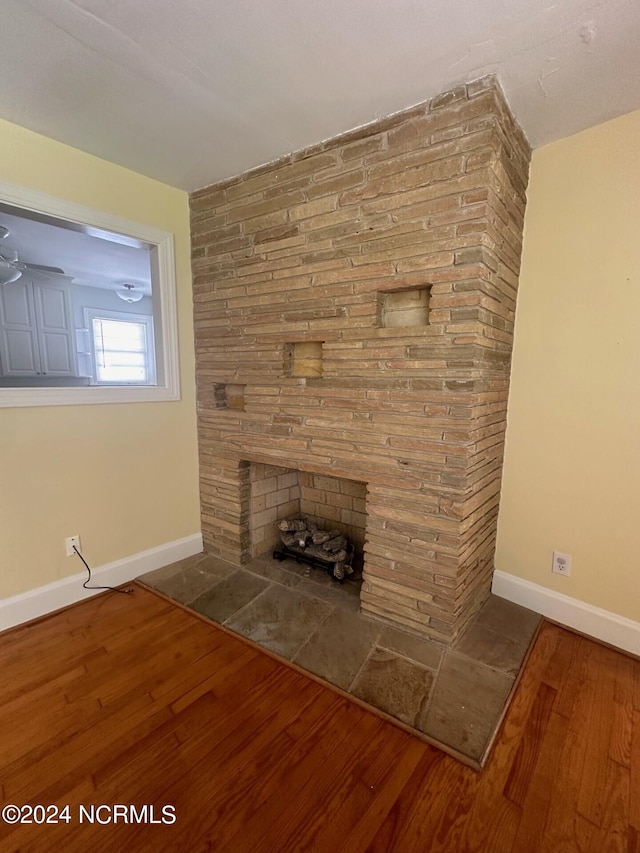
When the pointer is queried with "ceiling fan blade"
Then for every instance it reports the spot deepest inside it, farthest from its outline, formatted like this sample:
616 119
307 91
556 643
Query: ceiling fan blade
40 268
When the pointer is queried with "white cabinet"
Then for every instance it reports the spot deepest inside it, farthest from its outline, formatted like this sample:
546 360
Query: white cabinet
36 329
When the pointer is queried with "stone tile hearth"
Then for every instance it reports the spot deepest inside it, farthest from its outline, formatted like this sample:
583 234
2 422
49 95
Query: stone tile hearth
454 695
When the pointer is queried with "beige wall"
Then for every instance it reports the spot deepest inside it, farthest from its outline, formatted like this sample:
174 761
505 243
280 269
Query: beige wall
571 478
122 476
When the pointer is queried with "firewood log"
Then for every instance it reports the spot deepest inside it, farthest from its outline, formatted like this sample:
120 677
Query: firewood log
338 543
320 537
290 524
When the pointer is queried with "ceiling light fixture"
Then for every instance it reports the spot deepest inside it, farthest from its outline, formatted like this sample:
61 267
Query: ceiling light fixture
129 293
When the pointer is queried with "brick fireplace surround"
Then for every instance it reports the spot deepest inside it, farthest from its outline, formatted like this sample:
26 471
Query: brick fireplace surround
354 310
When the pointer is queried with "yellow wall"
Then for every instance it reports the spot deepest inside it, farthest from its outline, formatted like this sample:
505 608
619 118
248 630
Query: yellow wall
571 478
122 476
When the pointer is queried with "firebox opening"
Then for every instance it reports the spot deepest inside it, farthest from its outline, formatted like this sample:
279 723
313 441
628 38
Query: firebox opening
334 503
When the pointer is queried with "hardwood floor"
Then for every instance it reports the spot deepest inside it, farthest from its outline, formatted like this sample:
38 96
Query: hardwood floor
131 700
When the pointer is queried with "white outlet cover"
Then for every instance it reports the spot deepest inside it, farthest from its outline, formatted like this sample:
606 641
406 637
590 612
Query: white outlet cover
69 542
561 564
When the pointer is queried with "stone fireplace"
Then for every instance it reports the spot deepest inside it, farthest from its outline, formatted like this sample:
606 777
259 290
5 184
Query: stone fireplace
354 309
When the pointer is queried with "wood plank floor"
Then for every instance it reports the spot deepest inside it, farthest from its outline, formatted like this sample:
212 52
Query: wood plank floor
131 700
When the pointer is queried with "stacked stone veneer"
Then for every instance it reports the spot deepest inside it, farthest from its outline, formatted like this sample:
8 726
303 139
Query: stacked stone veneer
354 309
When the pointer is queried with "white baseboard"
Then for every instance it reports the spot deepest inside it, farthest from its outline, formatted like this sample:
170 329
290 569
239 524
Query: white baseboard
594 621
45 599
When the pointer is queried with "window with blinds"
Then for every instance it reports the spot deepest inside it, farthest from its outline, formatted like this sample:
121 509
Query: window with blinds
122 349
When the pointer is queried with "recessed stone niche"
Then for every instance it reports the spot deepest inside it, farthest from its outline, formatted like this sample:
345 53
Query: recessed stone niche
228 396
304 359
404 308
384 265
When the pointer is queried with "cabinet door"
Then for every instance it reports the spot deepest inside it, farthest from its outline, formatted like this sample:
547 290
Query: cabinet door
19 351
53 319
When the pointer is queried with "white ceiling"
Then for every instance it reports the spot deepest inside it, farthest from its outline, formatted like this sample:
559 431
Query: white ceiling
193 91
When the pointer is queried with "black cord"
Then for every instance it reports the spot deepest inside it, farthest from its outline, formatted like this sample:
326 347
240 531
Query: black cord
88 580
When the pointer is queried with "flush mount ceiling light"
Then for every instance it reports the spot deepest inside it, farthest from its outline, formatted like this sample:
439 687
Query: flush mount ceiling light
130 293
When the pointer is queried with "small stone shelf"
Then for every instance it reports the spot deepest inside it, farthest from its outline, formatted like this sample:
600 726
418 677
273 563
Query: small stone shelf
228 396
404 308
304 359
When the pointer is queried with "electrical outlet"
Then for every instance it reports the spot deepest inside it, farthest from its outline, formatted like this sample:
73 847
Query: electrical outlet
69 542
561 564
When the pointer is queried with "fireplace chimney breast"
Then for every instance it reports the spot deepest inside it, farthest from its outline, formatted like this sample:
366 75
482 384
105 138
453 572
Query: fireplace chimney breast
354 306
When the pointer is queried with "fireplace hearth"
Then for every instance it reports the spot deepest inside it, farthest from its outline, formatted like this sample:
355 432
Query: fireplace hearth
354 309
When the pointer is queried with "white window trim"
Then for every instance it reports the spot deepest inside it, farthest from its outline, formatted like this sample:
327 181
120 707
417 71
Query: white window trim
166 330
145 320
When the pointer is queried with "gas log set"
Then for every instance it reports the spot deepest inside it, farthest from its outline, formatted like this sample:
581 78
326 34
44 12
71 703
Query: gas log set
304 541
